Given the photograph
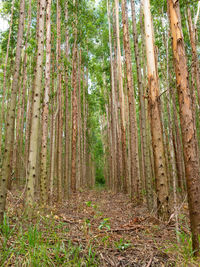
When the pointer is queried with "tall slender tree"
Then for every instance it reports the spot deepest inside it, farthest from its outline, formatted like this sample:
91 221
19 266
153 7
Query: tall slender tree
6 166
135 174
190 147
45 114
121 100
74 103
34 135
156 124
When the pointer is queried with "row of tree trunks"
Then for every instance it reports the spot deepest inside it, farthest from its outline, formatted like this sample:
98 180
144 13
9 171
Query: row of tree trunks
190 146
121 102
7 161
2 114
134 159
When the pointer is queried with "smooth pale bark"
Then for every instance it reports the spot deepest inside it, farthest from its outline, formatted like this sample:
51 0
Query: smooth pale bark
74 106
147 183
197 16
53 150
84 130
66 179
134 158
33 150
52 121
2 115
121 100
85 92
79 173
117 184
141 98
59 90
190 147
156 125
113 104
6 166
45 114
22 164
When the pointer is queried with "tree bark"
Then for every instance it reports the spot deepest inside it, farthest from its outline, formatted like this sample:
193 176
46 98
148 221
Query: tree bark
190 147
74 106
59 84
2 115
121 100
45 115
156 125
135 173
34 135
6 166
66 191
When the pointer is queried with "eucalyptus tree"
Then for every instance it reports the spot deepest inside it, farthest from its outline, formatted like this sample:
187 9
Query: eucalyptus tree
121 101
37 86
190 146
6 166
134 158
156 124
2 114
45 114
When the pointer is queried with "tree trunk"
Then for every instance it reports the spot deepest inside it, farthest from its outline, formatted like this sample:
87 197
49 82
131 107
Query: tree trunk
195 60
135 173
74 106
34 136
66 107
59 84
6 166
45 115
156 125
121 100
190 147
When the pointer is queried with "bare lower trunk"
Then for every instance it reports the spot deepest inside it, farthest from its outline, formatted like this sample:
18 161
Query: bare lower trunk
135 173
45 114
190 147
6 166
156 125
34 136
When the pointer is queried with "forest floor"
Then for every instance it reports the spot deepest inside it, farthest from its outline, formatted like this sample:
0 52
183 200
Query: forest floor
94 228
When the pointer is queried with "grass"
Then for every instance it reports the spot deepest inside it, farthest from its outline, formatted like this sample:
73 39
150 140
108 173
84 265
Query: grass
41 244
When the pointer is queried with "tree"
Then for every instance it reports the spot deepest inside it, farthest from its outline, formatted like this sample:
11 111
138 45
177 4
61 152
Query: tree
74 103
135 174
190 147
121 102
7 162
45 114
156 124
34 135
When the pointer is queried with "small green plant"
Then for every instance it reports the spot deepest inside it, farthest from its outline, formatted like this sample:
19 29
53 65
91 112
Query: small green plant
91 257
34 236
5 228
105 240
88 203
105 224
122 245
185 245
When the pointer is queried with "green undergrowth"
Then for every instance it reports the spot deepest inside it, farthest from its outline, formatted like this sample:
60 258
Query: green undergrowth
41 243
182 250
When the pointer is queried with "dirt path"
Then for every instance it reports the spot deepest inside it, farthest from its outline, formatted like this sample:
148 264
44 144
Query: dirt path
117 233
